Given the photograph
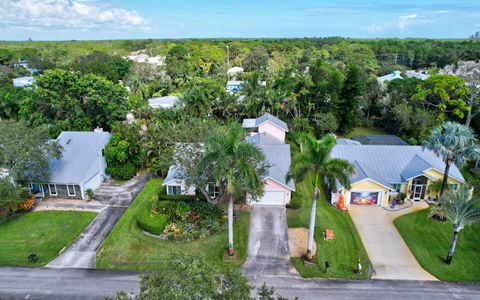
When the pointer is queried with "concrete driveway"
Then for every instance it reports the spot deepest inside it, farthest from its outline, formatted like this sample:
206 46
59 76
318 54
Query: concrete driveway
268 251
390 256
82 253
115 199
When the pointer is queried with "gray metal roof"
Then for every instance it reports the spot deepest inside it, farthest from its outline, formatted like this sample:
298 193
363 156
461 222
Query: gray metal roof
347 142
252 123
277 155
264 138
174 172
379 139
393 164
166 101
81 156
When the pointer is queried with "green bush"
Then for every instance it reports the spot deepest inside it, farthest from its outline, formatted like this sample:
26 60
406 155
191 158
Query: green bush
296 201
152 223
122 172
185 198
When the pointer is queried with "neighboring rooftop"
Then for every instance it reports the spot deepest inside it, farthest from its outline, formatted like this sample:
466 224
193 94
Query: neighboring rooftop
23 81
422 75
392 164
379 139
347 142
81 154
253 123
165 102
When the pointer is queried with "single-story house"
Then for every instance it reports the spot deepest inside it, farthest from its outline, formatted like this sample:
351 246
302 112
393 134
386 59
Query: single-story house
422 75
234 71
23 81
382 172
268 133
81 167
234 86
163 102
379 139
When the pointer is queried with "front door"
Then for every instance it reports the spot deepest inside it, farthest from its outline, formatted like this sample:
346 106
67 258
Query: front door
417 192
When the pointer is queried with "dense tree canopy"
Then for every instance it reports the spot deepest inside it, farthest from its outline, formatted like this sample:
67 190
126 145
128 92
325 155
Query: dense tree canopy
72 101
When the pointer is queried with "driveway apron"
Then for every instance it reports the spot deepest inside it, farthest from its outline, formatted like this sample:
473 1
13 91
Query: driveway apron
268 250
390 256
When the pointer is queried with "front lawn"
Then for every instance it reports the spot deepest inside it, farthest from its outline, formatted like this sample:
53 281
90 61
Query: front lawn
429 242
127 247
44 233
343 252
361 131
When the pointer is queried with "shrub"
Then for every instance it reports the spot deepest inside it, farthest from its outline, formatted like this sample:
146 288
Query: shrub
185 198
150 222
122 172
296 201
89 194
27 204
182 211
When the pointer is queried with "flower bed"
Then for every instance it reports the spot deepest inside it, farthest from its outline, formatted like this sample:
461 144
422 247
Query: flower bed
182 220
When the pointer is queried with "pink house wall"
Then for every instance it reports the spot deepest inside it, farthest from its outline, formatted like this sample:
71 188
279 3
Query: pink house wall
271 185
272 130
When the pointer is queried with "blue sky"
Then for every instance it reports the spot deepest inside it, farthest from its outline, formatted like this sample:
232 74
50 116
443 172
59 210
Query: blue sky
116 19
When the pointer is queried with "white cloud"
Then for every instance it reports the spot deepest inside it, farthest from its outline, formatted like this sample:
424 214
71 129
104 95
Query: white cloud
404 21
81 15
375 28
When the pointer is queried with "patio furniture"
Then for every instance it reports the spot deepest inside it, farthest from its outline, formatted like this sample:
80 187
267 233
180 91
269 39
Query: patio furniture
328 235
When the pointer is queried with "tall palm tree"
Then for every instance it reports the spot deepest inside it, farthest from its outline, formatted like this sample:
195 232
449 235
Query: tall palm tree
456 143
237 166
461 211
315 160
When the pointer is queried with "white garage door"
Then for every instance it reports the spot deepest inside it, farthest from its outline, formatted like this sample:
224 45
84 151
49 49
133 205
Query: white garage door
271 198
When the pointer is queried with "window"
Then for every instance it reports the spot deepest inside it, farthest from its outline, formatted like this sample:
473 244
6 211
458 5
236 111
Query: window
71 190
103 152
174 190
52 189
453 187
397 187
212 190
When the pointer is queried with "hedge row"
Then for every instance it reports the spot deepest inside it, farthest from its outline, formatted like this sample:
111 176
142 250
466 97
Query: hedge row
185 198
150 222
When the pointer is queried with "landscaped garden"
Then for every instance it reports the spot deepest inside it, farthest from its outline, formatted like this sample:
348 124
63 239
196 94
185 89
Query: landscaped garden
343 252
201 232
43 233
181 218
429 241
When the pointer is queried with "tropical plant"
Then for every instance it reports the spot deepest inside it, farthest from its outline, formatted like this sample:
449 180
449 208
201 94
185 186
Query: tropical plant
455 143
315 160
461 211
235 166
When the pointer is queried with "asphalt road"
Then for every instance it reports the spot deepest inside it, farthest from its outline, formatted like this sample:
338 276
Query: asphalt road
43 283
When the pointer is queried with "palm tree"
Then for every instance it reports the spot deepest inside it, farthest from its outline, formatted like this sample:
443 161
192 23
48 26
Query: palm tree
315 160
456 143
461 212
236 166
196 102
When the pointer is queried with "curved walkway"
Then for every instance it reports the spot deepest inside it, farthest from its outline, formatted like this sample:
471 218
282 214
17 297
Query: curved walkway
390 256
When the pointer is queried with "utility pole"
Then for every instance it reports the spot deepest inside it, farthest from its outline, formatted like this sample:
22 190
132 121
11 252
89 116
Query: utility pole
228 58
395 57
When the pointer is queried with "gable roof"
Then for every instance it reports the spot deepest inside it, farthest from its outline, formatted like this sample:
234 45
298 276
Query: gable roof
174 172
277 155
363 173
81 156
253 123
392 164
